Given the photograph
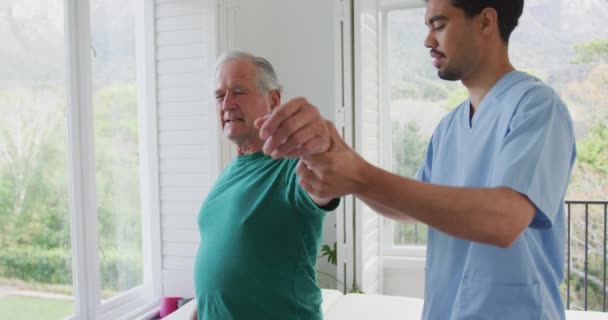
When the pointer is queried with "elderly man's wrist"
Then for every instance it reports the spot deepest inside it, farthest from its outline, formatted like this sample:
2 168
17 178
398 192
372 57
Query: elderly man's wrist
330 205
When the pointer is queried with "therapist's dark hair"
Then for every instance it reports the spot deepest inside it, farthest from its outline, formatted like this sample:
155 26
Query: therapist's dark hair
508 12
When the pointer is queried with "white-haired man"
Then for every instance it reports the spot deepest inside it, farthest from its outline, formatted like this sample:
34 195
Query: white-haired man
260 231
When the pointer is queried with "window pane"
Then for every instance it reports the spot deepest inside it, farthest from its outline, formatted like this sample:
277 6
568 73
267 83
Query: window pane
116 145
35 247
418 101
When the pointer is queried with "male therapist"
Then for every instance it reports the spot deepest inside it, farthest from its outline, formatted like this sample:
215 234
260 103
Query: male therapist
492 185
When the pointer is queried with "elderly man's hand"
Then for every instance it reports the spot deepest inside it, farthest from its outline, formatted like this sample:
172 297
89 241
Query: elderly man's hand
293 130
334 173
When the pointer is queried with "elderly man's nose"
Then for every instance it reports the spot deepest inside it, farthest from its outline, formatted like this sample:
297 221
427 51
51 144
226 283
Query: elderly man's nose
228 103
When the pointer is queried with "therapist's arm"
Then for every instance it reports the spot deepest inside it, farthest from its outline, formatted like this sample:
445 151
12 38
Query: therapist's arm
386 211
495 216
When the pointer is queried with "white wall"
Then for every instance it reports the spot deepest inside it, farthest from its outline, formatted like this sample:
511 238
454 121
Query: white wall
298 38
403 276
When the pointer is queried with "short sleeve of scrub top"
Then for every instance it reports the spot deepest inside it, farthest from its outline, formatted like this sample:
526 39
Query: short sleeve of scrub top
531 159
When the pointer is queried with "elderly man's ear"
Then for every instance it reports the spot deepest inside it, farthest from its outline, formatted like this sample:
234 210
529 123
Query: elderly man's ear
275 99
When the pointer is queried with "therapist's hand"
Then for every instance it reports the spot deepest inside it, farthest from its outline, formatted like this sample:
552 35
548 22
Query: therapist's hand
194 315
293 129
335 173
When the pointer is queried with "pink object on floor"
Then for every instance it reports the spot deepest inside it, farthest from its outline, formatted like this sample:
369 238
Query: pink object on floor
168 305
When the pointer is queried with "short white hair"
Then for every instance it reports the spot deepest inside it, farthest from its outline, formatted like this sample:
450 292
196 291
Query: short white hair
266 77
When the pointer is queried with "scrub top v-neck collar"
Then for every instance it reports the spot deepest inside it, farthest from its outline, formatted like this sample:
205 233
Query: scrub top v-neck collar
489 102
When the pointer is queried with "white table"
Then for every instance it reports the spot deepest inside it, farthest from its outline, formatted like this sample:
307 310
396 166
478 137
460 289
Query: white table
337 306
330 297
369 306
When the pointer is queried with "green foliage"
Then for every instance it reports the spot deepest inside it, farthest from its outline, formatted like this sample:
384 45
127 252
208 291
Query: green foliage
116 112
410 234
327 281
330 252
589 100
591 91
34 193
355 289
423 89
34 196
119 270
117 159
33 168
434 92
404 89
332 257
593 150
455 97
408 148
592 52
408 155
595 261
5 192
36 265
324 279
587 95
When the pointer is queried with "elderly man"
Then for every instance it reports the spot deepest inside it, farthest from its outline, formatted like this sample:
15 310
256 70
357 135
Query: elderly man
260 231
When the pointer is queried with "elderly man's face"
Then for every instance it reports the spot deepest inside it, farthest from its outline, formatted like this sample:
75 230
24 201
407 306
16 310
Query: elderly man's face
239 100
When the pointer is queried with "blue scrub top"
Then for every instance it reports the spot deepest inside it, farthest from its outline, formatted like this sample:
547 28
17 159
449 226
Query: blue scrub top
521 137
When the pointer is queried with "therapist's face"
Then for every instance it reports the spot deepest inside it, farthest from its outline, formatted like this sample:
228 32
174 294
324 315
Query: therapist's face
451 39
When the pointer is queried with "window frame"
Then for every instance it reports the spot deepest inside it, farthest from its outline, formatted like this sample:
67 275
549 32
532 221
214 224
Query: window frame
83 206
390 250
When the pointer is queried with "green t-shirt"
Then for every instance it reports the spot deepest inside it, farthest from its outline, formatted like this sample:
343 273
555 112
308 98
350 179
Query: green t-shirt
260 237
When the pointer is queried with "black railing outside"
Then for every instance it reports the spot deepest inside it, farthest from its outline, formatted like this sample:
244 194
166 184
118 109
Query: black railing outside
584 286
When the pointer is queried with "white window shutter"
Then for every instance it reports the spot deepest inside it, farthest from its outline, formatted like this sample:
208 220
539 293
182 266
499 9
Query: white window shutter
368 224
358 228
344 110
188 130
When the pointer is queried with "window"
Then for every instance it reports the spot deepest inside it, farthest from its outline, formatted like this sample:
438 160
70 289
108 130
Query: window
116 145
35 246
418 101
72 162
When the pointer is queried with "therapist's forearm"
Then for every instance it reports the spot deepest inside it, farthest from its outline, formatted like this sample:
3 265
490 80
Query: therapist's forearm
495 216
386 211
